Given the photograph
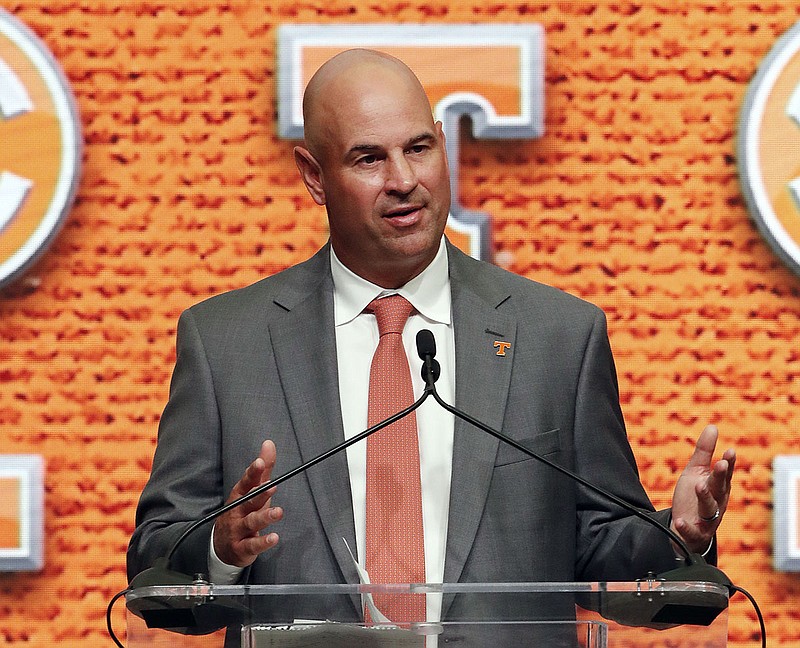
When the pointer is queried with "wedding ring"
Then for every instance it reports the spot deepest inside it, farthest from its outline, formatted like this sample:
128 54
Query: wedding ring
712 518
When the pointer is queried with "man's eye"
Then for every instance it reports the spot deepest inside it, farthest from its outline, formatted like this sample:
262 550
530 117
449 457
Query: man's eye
368 160
418 148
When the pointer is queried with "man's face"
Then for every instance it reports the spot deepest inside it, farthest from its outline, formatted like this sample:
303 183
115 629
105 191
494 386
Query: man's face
383 171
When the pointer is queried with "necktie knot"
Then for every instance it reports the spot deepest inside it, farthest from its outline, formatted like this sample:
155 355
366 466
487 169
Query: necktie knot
391 312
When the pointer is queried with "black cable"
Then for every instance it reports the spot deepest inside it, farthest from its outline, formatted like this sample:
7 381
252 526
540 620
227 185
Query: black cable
111 633
760 616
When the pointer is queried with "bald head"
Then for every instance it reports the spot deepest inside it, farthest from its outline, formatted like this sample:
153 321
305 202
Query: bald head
344 83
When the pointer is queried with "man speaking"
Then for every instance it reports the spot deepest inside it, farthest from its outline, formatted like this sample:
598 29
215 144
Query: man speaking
274 374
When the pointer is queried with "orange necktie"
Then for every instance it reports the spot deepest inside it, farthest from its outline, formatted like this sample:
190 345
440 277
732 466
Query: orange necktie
395 547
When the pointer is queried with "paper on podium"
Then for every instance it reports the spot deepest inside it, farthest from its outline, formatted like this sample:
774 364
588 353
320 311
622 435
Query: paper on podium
431 630
375 614
333 635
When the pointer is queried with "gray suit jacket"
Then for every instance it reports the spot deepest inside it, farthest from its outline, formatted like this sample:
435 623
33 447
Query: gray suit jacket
261 363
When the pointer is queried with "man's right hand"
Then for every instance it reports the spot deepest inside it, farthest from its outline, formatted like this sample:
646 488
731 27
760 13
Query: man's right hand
237 538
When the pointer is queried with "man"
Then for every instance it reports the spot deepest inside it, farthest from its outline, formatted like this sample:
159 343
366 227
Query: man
279 371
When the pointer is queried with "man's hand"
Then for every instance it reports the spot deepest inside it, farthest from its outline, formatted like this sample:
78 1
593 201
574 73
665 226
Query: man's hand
237 540
702 492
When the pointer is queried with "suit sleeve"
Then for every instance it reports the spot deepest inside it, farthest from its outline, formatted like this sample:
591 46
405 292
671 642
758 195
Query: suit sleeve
185 482
612 544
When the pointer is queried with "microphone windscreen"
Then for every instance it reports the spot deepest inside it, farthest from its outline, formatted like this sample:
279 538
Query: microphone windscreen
426 344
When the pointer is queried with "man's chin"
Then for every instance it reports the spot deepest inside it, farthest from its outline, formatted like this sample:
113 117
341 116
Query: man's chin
409 257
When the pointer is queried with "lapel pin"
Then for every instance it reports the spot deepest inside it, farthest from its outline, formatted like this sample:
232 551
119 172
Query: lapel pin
501 347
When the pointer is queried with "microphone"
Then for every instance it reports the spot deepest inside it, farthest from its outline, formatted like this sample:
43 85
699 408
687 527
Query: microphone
204 614
648 607
431 369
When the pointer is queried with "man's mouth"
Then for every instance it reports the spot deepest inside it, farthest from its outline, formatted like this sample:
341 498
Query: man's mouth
403 213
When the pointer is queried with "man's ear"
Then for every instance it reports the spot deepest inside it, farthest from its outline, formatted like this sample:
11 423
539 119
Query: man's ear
311 172
442 142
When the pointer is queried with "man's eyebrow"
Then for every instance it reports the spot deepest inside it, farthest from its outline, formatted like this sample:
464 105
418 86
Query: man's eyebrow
364 148
375 148
422 137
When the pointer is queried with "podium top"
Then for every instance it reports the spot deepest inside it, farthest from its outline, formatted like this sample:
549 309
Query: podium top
679 612
205 589
652 603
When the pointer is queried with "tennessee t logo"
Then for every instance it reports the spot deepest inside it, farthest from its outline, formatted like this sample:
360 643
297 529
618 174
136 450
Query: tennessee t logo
502 347
493 74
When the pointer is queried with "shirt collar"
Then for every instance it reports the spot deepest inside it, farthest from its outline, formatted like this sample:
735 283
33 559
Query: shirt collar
428 292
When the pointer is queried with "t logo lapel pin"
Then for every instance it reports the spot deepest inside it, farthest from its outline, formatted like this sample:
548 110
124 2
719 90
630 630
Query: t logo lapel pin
501 347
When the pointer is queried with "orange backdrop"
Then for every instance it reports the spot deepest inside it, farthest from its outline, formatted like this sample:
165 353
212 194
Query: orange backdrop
630 200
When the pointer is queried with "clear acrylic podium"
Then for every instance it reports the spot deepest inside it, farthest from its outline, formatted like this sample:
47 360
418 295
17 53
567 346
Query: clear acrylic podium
646 614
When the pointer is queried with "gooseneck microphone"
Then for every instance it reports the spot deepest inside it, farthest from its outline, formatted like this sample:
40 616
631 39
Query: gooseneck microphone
689 608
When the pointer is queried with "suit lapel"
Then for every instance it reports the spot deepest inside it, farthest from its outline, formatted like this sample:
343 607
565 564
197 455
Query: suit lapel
304 345
483 376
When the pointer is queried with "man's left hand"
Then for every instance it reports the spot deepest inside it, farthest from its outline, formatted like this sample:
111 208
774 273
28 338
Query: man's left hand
702 492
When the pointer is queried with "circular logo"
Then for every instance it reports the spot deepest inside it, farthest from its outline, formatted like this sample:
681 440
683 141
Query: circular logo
769 148
40 147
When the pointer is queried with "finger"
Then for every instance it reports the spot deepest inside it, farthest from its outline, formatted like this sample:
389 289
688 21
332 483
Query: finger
248 541
269 454
261 502
260 520
720 480
707 504
704 448
254 503
258 472
721 477
251 477
730 456
255 545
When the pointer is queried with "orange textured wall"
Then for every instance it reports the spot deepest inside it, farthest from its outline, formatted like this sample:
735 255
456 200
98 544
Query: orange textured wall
631 200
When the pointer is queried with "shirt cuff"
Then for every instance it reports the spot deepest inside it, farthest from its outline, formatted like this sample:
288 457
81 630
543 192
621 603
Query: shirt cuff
221 573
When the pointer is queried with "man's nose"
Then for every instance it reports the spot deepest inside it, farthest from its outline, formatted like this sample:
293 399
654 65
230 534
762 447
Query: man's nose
400 176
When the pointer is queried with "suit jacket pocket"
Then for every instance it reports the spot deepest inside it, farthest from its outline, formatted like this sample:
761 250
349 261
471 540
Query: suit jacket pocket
546 443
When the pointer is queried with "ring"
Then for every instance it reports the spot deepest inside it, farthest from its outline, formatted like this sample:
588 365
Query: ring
712 518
